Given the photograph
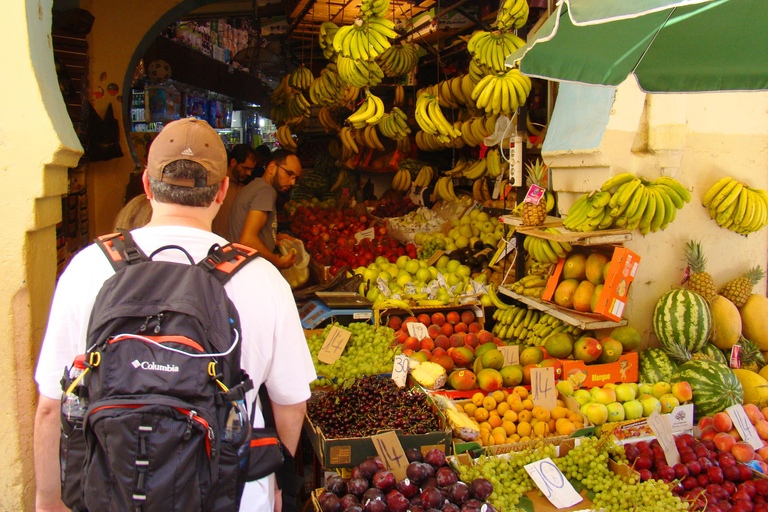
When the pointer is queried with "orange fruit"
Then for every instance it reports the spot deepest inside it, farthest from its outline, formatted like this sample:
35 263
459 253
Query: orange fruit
521 391
528 404
542 415
559 412
541 429
470 409
513 398
489 403
481 414
477 399
502 407
509 427
510 416
525 416
499 435
495 421
498 396
515 438
524 429
565 427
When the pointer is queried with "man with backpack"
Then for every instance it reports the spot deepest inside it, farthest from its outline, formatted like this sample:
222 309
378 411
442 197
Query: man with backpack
160 401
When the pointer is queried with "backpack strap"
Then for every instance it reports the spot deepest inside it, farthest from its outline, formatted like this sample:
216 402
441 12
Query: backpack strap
223 261
120 249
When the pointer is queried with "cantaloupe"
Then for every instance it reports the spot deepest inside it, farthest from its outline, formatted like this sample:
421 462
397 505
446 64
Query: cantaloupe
726 323
753 318
755 387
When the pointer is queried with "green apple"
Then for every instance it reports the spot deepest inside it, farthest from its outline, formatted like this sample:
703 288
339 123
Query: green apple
633 410
565 387
381 260
594 390
442 294
360 270
483 217
625 392
464 271
661 388
361 288
418 238
465 219
423 275
454 233
597 413
582 396
487 227
474 213
403 279
605 396
635 387
647 389
432 272
475 230
452 279
401 261
442 261
370 274
450 247
650 404
615 412
423 263
465 230
412 266
373 294
453 265
462 242
489 239
609 385
385 275
473 241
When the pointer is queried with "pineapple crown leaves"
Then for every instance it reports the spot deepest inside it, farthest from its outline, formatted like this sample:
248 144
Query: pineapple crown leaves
754 275
695 256
537 173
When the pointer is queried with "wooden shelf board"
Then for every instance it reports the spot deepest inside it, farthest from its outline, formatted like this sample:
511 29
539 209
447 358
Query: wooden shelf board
606 236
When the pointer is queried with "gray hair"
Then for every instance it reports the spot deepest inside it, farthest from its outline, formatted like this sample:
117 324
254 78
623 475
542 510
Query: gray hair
201 196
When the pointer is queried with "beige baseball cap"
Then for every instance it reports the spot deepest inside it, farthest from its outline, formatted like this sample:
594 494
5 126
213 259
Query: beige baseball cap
188 139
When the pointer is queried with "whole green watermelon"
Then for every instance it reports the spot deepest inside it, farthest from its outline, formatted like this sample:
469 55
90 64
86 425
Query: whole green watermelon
714 385
682 318
655 366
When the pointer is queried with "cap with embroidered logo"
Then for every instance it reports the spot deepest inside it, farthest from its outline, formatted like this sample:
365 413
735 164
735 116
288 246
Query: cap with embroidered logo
188 139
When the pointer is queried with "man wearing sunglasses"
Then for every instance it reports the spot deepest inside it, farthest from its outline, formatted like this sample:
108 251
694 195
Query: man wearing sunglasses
252 218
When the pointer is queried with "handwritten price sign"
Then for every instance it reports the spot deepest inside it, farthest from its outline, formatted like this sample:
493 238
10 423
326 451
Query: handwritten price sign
663 432
333 345
400 370
551 481
391 452
511 354
417 330
366 233
543 391
744 426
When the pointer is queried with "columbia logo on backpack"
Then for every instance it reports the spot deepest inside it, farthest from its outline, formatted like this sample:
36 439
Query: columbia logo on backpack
176 435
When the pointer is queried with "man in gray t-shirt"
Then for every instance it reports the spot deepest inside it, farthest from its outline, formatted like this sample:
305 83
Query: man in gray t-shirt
252 218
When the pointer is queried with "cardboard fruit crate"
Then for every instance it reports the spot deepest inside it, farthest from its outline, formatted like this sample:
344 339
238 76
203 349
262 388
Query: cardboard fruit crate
623 370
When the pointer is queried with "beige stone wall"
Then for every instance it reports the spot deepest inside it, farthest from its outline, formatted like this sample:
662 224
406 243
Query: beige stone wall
37 144
696 139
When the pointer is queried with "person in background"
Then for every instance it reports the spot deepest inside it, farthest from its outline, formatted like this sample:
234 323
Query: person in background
136 213
253 219
242 160
263 156
185 182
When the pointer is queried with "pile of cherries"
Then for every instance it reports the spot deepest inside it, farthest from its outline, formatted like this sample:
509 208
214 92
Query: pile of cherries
430 485
711 480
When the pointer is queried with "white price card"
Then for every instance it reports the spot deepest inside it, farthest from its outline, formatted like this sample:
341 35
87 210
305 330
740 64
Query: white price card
497 186
551 481
511 354
333 345
391 452
400 370
663 432
417 330
744 426
369 233
543 390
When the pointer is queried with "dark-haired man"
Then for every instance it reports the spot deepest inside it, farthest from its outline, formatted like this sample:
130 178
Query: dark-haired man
186 183
253 219
242 161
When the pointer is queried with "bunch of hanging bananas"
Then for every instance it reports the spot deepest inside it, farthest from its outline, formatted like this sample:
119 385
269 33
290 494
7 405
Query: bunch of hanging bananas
371 138
475 130
537 268
399 59
480 191
431 119
546 251
492 48
404 145
328 122
424 177
348 140
430 142
285 138
300 78
590 212
282 92
495 166
327 33
513 14
736 206
444 189
298 105
530 286
328 89
402 180
394 125
476 170
375 8
370 112
279 113
359 73
546 326
502 93
476 71
461 165
364 39
296 124
399 100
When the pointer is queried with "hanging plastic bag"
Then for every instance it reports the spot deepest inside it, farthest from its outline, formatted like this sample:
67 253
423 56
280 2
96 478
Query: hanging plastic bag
298 274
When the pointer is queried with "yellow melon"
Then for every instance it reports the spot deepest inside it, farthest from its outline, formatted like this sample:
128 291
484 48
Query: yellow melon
574 267
726 323
753 315
755 387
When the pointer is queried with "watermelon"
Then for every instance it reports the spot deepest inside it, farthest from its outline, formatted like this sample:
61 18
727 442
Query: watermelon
655 366
682 318
715 386
711 352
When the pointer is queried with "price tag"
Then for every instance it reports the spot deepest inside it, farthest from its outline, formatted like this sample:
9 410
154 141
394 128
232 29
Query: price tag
735 358
543 391
511 354
333 345
551 481
369 233
663 432
744 426
436 256
497 186
416 195
417 330
400 370
535 194
391 452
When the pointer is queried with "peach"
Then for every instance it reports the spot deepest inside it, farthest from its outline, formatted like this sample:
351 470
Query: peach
395 322
460 327
427 343
743 451
753 412
484 337
444 361
407 321
412 343
763 452
709 433
682 391
447 329
408 352
456 341
438 319
722 422
442 342
705 422
735 434
475 327
424 319
724 442
471 340
763 467
438 351
434 331
467 317
764 410
762 429
499 342
453 318
400 337
427 352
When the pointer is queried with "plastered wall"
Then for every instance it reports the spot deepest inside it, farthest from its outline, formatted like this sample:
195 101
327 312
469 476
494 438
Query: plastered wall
696 139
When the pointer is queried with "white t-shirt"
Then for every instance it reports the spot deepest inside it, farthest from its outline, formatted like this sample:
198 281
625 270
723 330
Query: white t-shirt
274 350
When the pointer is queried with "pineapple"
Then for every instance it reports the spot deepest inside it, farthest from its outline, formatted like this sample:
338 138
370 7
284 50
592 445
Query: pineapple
751 357
679 354
699 281
739 289
535 214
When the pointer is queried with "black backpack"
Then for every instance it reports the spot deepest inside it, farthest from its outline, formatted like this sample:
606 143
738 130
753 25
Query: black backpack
163 380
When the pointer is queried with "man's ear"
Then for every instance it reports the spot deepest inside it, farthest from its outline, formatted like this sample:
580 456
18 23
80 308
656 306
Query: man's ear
145 182
222 193
232 162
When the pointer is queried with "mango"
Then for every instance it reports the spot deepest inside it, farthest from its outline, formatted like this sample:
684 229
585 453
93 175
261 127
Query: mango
574 267
595 265
462 380
489 379
582 297
564 293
